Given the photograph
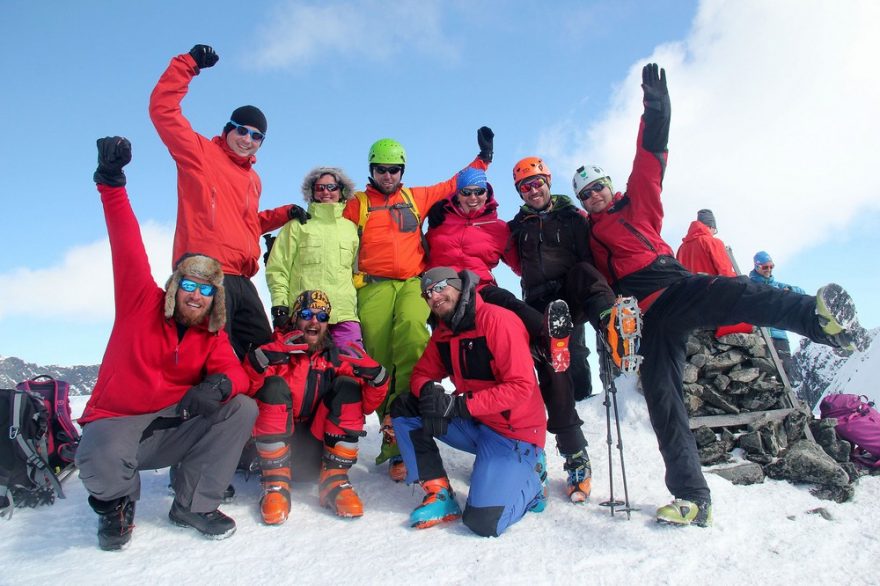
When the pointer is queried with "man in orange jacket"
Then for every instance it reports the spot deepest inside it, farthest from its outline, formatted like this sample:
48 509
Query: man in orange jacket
218 194
391 258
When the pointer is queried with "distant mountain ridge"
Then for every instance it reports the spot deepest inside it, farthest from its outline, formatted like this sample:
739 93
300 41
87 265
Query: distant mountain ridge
81 377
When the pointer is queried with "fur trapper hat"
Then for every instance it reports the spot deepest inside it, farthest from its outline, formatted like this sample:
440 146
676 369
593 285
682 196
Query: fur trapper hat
203 267
345 183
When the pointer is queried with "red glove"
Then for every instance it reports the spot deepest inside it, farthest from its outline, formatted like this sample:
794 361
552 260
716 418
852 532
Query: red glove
364 366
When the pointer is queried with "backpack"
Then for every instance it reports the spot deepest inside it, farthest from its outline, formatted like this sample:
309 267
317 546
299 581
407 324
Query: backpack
857 422
37 443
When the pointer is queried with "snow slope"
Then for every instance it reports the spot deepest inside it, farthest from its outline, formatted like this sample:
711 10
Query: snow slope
762 533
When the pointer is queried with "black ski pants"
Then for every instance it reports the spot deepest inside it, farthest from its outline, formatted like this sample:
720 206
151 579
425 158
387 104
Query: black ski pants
704 301
246 321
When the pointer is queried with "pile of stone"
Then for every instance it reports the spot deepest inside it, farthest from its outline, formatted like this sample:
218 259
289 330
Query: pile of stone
737 375
731 375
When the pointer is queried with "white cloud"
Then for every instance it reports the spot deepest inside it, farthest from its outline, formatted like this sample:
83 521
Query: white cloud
378 31
774 124
80 287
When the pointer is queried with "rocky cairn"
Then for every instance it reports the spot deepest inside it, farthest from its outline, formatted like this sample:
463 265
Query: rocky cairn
736 375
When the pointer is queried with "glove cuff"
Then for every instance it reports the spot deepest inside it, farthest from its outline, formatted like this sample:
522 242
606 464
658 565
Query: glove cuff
111 179
258 360
380 378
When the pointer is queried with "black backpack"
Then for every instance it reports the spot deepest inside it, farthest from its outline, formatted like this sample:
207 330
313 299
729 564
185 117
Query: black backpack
37 443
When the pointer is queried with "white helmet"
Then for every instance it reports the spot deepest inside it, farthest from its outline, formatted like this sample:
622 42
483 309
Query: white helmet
587 174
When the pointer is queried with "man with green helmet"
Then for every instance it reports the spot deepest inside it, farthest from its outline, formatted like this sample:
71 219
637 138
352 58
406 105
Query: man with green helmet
391 258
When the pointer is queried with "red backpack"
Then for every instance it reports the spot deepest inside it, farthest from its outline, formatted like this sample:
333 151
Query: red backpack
857 422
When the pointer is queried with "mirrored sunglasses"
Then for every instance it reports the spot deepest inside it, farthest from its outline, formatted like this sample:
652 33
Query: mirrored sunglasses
478 191
205 289
527 186
308 314
256 135
326 187
381 169
589 190
435 288
766 267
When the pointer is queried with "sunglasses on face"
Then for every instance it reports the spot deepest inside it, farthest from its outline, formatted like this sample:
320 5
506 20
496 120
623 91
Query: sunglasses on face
205 289
766 267
527 186
589 190
478 191
308 314
326 187
256 135
435 288
381 170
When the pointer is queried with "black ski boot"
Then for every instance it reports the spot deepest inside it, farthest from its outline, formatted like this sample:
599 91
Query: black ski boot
214 524
115 522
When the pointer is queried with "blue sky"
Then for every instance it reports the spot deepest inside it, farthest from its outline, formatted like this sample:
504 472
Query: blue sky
774 122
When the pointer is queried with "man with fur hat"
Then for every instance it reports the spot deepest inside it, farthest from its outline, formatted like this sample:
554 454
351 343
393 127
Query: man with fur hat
496 411
301 382
321 254
218 193
168 390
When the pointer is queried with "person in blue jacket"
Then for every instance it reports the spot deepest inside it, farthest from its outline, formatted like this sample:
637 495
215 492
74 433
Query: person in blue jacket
763 273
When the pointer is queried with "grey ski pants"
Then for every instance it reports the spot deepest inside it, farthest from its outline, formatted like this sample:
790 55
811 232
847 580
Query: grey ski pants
113 450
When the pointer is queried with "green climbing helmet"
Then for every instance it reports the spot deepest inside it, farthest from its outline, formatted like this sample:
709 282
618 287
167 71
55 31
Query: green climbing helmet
387 151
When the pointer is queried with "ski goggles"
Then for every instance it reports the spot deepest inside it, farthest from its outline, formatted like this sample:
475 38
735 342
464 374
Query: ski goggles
381 169
478 191
326 187
536 183
435 288
308 314
589 190
256 135
205 289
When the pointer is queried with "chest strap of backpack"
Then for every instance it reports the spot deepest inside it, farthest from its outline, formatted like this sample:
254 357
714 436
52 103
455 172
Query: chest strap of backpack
364 209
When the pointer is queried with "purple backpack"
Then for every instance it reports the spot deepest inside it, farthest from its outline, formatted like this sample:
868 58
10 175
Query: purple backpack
857 422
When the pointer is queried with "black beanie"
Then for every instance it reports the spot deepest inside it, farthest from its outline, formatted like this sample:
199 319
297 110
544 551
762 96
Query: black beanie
248 116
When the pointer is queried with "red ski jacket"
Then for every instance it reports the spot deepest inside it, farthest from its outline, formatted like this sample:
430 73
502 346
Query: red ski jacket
701 252
473 243
147 366
218 192
310 377
492 366
625 237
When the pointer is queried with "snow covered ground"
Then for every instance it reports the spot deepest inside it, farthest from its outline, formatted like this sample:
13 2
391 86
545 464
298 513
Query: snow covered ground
763 534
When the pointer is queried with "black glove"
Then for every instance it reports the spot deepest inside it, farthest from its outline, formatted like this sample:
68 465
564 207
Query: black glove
437 214
344 391
437 408
204 56
657 108
297 213
280 317
262 359
205 397
270 241
114 153
486 140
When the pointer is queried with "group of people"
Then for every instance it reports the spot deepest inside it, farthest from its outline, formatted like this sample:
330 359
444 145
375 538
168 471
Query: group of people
193 371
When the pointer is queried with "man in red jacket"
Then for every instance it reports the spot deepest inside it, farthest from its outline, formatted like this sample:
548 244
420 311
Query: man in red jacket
626 243
168 390
218 194
701 251
301 381
496 411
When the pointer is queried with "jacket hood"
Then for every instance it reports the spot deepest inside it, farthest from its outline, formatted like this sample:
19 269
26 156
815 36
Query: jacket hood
696 230
245 162
338 174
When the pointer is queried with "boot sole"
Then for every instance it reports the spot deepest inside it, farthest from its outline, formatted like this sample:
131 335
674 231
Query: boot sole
559 324
836 304
682 523
432 522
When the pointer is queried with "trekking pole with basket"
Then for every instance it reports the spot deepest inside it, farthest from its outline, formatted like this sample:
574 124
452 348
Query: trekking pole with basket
627 324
